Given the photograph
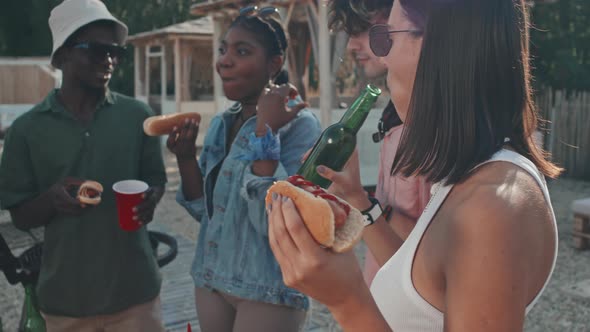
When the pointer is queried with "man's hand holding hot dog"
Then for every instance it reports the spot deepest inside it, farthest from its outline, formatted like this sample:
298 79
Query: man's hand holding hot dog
63 196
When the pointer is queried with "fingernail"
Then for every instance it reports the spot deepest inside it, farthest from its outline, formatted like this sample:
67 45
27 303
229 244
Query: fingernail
274 196
285 199
134 218
142 195
134 209
269 207
321 169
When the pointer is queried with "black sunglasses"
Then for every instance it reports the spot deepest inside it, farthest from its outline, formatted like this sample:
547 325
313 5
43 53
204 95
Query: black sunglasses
97 52
263 12
379 40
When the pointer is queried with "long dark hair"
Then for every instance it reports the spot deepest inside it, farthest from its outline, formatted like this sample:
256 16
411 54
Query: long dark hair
472 89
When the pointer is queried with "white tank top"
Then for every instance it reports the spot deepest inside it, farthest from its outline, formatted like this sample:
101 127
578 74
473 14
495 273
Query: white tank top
393 290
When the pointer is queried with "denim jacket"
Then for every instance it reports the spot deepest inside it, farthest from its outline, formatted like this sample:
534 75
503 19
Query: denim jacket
233 254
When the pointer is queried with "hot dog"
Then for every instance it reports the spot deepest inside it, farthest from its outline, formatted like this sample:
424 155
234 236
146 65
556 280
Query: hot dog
163 124
332 222
90 192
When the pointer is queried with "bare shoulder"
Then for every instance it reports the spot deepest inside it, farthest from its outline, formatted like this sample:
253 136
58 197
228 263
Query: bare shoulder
499 245
499 227
500 200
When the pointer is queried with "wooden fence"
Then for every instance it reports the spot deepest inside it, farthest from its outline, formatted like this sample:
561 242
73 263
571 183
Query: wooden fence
568 135
26 80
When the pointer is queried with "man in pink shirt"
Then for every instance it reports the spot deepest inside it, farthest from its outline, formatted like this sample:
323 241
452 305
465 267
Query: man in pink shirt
407 196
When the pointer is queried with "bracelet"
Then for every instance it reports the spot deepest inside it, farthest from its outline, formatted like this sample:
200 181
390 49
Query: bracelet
267 147
371 214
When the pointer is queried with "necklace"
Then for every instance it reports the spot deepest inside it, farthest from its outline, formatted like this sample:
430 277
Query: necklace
235 108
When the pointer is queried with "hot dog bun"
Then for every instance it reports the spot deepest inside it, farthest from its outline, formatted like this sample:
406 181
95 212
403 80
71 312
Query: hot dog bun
319 218
163 124
90 192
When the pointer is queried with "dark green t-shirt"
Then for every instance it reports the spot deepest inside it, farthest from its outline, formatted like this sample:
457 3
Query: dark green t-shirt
90 266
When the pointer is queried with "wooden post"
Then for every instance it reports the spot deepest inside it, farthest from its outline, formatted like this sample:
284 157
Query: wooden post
177 75
136 70
324 66
217 84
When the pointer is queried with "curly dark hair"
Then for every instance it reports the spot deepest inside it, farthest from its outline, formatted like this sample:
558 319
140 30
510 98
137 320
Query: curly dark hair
354 16
268 31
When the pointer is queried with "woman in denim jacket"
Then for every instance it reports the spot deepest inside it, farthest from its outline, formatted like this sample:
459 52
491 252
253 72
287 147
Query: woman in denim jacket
239 286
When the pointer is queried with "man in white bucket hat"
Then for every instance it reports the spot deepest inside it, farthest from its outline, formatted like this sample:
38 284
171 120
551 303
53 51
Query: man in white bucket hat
94 275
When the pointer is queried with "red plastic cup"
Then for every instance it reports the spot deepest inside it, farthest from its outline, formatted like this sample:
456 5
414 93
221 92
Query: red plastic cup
128 195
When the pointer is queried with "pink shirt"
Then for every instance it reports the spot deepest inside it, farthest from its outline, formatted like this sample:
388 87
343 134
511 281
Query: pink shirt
408 195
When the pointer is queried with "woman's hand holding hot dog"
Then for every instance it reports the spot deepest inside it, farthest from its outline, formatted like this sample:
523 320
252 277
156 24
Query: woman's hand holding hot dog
307 266
320 273
181 140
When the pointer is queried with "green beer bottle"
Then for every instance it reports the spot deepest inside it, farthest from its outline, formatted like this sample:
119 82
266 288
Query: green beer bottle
33 321
338 141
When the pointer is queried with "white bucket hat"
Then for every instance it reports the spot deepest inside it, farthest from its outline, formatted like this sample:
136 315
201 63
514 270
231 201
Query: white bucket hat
71 15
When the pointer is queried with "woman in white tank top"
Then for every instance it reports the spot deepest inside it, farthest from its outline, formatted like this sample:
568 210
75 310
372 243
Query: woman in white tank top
485 246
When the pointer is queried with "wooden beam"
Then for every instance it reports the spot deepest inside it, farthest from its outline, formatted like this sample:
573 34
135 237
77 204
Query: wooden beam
289 14
177 75
24 61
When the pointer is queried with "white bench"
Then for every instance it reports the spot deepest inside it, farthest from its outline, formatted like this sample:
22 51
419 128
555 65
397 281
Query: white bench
581 233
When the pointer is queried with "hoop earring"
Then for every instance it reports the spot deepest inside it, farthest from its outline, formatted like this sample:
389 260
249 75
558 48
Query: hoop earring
235 108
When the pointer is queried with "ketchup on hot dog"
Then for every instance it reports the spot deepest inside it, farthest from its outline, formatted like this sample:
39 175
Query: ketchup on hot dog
341 210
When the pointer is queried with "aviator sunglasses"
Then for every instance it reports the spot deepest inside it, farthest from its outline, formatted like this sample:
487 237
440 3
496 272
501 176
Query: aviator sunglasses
97 52
379 40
